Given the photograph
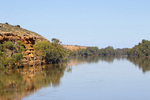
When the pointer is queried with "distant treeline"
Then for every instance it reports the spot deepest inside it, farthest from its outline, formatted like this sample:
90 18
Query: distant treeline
142 49
95 51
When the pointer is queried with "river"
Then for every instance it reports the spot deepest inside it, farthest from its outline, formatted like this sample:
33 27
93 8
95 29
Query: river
96 78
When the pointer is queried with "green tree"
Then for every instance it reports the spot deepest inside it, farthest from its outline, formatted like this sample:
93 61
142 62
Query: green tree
4 59
142 49
57 41
41 48
1 47
13 53
20 47
8 47
12 62
56 53
17 57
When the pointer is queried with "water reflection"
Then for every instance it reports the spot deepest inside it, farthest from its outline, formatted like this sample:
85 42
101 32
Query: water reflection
15 85
142 63
81 60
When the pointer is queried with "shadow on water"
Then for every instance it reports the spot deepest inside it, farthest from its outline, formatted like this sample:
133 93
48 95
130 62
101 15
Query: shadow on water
14 85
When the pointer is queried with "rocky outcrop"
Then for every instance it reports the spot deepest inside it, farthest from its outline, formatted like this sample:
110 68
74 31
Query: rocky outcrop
29 41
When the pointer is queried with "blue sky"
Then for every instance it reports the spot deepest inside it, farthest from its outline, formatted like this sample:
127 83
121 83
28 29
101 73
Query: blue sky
102 23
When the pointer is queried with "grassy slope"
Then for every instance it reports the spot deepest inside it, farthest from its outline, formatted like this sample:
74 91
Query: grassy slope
17 30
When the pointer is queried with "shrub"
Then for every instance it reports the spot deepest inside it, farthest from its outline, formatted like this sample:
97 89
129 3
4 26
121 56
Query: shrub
18 26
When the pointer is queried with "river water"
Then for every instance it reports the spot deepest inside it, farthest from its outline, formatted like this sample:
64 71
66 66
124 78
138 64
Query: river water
97 78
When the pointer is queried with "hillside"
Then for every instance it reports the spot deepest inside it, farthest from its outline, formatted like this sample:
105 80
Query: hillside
17 30
74 47
28 38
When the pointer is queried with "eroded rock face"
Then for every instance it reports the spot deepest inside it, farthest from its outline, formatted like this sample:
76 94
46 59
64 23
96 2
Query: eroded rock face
29 41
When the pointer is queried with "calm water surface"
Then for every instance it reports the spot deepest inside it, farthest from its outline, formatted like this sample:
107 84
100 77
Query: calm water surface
102 78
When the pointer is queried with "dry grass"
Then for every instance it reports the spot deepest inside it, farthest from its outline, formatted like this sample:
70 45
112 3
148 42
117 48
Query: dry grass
16 29
74 47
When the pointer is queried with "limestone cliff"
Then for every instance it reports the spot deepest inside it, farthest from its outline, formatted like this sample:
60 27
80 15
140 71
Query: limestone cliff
15 33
